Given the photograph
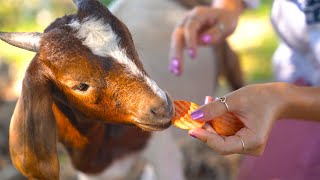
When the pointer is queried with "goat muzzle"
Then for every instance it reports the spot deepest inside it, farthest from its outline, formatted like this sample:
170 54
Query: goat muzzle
156 116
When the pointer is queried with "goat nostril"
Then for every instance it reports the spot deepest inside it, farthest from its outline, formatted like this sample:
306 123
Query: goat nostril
153 111
163 112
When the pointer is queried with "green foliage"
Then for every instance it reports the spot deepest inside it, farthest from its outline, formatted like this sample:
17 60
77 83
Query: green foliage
106 2
256 59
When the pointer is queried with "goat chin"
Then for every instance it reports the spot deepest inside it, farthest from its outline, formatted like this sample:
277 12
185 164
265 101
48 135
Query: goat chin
154 127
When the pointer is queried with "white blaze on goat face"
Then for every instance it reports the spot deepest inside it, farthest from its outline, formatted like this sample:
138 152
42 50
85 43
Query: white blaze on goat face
103 41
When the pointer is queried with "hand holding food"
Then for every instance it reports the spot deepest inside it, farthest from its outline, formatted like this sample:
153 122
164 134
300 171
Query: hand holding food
225 125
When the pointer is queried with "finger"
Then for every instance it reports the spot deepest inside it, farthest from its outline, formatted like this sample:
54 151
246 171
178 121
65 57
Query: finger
176 51
208 99
192 26
209 111
207 126
254 142
213 35
223 145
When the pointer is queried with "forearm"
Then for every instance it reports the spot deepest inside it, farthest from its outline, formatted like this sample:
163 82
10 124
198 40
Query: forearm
299 102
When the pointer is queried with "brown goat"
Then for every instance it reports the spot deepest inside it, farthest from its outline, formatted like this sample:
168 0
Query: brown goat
85 81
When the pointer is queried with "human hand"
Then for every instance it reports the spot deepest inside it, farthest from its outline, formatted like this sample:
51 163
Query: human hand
257 106
201 26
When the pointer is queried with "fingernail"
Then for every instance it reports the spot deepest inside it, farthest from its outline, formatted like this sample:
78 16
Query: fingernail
175 63
206 38
197 114
174 67
192 53
208 99
176 71
193 135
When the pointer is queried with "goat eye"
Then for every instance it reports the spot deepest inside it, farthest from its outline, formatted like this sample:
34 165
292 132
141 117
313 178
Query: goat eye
81 87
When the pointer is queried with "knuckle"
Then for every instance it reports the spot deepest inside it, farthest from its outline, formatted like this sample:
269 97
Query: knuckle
257 152
176 32
259 142
198 10
195 11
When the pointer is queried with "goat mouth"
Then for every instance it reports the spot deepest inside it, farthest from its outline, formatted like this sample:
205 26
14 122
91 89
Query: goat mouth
154 127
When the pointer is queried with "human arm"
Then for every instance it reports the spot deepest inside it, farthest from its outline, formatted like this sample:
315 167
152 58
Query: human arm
258 107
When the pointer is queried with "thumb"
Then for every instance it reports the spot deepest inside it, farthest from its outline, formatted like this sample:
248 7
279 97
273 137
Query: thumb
209 111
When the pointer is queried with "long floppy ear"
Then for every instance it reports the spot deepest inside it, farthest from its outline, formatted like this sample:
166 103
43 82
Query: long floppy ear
33 127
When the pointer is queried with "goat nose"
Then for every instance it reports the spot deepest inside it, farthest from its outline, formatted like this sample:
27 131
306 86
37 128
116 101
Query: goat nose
164 111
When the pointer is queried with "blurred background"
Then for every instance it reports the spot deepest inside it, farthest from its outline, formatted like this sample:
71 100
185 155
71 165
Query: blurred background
254 41
255 46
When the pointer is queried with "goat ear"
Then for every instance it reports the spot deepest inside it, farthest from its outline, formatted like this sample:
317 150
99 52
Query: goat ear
92 8
33 128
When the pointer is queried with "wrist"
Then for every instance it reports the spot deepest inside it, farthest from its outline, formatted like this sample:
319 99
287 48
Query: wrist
284 93
299 102
279 94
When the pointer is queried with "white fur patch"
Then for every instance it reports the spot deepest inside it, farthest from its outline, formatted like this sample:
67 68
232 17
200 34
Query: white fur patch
117 170
102 41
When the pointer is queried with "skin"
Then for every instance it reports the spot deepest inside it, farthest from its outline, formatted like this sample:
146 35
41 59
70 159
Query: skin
200 23
280 100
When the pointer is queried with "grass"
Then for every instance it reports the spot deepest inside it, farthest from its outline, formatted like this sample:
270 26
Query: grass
255 41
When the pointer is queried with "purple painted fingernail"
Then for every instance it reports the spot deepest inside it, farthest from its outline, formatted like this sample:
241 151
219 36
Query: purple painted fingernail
175 63
193 135
192 53
175 67
176 71
197 114
206 38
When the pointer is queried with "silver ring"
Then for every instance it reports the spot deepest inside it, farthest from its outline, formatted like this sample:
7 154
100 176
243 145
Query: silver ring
221 27
224 101
242 142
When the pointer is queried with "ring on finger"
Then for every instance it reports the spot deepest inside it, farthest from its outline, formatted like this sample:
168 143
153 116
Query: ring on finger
242 143
224 101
